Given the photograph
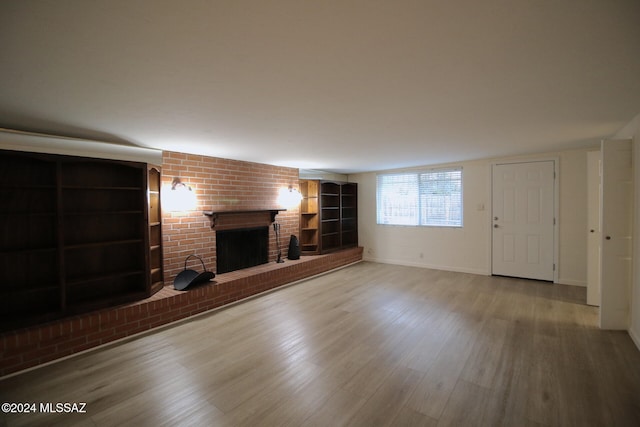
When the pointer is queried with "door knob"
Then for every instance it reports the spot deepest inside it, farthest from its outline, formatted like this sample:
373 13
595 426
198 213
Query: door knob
495 225
592 231
495 218
608 237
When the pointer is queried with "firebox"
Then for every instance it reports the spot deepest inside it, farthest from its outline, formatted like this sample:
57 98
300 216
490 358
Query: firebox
241 248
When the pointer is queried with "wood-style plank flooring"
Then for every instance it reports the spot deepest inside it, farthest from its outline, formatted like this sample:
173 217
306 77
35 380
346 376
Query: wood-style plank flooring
368 345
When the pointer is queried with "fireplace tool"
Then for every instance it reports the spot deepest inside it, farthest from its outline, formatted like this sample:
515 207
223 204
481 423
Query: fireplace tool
276 228
189 277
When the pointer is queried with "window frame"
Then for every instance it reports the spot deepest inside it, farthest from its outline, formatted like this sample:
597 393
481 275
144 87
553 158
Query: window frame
412 210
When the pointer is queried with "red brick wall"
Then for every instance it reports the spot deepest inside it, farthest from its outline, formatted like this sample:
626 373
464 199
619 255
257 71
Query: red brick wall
220 184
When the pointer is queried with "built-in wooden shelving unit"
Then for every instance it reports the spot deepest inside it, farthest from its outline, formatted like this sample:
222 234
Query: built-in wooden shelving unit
75 234
328 216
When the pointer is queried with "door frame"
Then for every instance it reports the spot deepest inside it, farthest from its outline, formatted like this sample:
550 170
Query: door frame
556 208
594 211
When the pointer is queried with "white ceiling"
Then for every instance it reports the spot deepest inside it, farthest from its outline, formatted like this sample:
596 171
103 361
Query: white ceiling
336 85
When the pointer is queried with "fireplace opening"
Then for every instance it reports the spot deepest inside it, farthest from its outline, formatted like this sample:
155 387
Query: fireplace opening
241 248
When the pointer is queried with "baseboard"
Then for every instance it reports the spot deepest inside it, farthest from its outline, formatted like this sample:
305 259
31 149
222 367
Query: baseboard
423 265
572 282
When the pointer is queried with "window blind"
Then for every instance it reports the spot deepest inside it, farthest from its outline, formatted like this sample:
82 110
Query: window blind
427 198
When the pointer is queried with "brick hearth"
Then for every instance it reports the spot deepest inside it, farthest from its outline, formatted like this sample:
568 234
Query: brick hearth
29 347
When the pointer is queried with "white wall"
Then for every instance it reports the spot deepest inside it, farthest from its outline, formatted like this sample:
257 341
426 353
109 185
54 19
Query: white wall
468 249
632 130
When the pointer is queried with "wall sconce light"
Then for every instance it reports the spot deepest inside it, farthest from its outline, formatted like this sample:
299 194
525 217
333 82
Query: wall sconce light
289 197
179 197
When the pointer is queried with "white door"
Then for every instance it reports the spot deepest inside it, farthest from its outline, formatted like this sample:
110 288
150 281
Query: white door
616 223
523 220
594 187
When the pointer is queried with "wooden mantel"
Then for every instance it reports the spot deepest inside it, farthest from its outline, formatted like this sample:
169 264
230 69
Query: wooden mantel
214 216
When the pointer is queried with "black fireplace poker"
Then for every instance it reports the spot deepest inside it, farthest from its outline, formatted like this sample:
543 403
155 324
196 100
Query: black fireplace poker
276 228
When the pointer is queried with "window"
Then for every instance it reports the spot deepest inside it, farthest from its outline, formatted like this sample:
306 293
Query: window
427 198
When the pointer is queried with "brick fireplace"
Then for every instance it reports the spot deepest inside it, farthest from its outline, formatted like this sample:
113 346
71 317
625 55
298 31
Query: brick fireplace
242 194
242 237
241 248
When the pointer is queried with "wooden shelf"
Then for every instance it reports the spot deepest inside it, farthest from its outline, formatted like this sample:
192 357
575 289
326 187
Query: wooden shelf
75 235
99 188
328 216
95 213
97 278
28 213
154 231
309 217
26 186
102 244
19 250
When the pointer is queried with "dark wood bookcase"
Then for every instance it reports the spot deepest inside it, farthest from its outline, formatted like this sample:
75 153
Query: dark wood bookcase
76 234
328 216
348 214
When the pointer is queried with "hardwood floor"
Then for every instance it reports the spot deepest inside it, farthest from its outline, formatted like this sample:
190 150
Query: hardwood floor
368 345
